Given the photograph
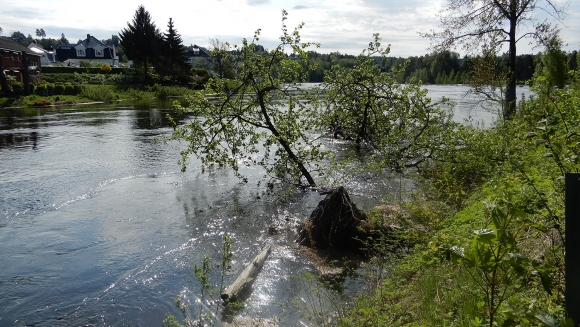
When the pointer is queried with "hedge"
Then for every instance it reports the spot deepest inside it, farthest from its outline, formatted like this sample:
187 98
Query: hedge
70 70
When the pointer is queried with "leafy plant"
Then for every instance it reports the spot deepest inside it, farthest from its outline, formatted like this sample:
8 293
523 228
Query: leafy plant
261 121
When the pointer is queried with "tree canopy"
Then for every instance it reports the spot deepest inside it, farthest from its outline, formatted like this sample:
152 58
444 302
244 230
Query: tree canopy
172 61
259 118
265 117
400 124
141 40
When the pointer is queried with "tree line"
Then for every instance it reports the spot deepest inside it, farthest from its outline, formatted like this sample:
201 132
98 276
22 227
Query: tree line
445 67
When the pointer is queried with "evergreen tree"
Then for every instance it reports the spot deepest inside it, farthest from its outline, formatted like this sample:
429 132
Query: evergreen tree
172 61
63 40
141 40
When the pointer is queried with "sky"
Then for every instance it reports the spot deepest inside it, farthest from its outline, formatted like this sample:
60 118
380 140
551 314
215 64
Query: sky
346 26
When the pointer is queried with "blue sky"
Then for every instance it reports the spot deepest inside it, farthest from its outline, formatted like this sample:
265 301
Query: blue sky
346 26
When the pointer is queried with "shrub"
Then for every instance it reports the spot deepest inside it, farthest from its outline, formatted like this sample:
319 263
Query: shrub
98 93
69 89
105 68
40 89
50 88
201 72
58 88
17 87
78 89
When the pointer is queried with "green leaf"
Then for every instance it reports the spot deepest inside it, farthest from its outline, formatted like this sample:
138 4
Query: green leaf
545 279
548 320
531 134
485 235
540 142
508 322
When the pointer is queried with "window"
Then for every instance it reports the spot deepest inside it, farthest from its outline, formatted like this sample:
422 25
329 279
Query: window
80 53
99 53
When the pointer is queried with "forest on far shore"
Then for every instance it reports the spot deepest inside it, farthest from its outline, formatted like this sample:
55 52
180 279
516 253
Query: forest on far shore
438 68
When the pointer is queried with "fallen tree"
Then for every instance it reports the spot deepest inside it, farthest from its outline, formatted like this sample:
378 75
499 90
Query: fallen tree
246 278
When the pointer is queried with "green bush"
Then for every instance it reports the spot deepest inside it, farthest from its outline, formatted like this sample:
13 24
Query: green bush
50 88
201 72
17 87
78 89
58 89
40 89
98 93
69 89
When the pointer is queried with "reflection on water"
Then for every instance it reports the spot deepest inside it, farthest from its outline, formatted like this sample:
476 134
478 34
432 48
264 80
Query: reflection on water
98 225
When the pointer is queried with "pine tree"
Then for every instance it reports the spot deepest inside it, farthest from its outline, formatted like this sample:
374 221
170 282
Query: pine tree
173 62
141 40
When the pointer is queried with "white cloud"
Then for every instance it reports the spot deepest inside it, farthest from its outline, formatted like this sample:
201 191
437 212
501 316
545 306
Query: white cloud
339 25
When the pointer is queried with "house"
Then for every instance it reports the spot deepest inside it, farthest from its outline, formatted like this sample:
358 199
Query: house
48 57
195 54
15 60
88 50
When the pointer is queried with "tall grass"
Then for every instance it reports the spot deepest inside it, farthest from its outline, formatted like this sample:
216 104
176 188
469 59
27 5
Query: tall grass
164 92
98 93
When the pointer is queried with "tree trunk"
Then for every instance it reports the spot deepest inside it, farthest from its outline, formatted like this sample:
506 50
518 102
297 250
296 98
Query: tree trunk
510 94
282 141
246 278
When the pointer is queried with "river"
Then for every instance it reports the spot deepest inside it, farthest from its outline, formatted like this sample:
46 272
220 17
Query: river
98 225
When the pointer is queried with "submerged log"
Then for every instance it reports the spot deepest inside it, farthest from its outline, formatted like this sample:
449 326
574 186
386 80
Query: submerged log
246 278
335 223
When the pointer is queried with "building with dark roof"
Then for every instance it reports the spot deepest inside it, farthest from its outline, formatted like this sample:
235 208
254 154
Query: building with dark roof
195 52
18 61
88 50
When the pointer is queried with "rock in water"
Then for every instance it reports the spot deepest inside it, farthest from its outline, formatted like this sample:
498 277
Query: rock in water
334 224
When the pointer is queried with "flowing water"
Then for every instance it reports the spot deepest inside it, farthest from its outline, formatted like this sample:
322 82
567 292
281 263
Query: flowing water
98 225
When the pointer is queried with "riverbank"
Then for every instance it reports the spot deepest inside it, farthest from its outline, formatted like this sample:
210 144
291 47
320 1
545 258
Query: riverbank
492 252
92 94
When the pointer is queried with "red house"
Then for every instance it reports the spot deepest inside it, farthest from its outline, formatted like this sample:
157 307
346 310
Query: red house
15 60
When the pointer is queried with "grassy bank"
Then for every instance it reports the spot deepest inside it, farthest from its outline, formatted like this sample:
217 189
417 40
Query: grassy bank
491 247
95 93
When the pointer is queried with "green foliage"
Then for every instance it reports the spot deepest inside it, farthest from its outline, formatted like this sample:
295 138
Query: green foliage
553 64
41 89
263 111
209 305
58 89
164 92
398 122
98 93
172 61
17 87
499 260
141 40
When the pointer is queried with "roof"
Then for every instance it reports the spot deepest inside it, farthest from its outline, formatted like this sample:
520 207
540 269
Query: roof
196 51
91 42
7 44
